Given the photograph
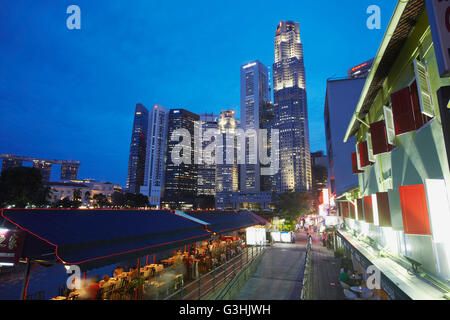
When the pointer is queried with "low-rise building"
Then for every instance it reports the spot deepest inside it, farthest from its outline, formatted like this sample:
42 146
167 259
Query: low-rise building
398 219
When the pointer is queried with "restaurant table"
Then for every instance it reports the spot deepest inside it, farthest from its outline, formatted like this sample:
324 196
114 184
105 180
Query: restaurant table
360 290
59 298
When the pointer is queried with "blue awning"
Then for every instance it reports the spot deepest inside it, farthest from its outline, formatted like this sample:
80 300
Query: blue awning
95 238
224 221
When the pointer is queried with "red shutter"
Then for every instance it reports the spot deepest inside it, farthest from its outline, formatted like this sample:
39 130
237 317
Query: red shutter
364 154
355 164
415 210
402 110
379 138
345 209
368 209
384 211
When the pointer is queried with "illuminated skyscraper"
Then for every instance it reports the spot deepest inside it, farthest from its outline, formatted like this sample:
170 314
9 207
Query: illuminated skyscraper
254 96
291 110
227 179
180 186
156 152
138 150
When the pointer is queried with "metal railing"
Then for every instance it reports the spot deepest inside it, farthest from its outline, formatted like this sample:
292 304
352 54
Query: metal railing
208 283
307 274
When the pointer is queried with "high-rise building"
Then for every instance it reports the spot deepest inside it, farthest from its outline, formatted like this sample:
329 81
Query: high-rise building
254 97
180 186
138 150
227 178
206 183
156 152
291 109
360 71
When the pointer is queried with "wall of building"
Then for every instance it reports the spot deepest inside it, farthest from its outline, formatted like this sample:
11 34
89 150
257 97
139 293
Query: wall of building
418 155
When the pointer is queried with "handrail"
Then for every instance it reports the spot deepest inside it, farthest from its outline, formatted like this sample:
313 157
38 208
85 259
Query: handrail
218 275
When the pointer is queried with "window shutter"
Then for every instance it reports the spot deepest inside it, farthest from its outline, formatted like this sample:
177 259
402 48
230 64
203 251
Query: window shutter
379 139
424 88
355 163
344 206
370 147
358 157
402 110
415 210
364 154
419 117
359 210
389 123
368 209
384 211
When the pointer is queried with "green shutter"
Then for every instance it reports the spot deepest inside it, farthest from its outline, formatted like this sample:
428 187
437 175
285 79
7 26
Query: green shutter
424 88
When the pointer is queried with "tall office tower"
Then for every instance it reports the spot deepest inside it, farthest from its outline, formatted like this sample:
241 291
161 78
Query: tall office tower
254 96
156 151
180 186
291 109
138 150
206 183
227 179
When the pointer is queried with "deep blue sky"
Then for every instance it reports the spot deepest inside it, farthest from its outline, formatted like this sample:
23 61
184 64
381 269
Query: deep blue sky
71 94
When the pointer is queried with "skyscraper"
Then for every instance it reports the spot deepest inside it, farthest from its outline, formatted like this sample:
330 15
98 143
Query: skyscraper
156 152
254 96
138 150
291 110
180 186
206 185
227 178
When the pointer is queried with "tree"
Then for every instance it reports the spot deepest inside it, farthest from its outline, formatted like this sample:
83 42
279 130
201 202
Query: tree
101 200
118 199
141 201
21 187
292 205
76 195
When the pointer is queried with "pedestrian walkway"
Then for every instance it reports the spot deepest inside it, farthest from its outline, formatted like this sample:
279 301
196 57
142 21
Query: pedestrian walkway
278 276
324 273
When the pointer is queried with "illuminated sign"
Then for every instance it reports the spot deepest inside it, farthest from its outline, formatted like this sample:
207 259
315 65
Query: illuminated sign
359 67
439 16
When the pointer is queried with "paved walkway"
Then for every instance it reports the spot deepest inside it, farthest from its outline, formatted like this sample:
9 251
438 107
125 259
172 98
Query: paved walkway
324 272
278 276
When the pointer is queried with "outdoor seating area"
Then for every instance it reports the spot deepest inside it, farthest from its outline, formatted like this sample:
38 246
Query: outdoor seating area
158 280
354 286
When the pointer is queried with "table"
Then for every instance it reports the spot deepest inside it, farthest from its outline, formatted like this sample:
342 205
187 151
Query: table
59 298
361 291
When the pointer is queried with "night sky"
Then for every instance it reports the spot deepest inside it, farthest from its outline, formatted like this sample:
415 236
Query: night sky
71 94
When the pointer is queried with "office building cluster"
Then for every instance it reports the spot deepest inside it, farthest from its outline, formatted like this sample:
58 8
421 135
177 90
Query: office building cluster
230 184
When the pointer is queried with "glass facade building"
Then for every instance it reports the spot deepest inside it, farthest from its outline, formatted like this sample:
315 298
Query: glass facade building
180 186
138 150
156 152
291 109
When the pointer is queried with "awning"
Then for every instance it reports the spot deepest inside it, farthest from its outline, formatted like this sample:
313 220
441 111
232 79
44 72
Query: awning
224 221
95 238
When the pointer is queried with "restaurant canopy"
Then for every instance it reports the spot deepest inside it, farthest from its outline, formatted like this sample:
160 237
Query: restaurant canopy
224 221
95 238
